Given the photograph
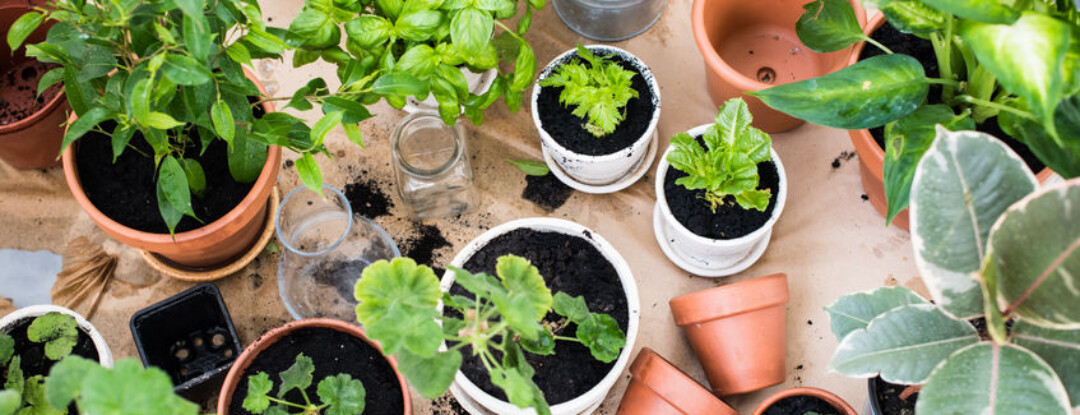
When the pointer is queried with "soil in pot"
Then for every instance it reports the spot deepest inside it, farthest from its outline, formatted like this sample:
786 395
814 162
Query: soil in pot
32 355
332 352
569 264
546 191
889 398
729 221
801 404
566 128
18 91
922 50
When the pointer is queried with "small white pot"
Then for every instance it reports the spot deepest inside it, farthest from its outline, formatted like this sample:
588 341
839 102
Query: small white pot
479 83
608 168
104 354
730 255
590 400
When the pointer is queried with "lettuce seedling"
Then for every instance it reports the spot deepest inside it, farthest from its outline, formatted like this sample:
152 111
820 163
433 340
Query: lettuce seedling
728 164
600 90
399 307
339 394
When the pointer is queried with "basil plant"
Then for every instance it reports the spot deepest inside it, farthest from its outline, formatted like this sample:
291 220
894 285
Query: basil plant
989 244
400 48
1018 61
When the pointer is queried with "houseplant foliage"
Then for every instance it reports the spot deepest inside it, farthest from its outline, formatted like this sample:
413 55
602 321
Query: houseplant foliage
58 333
399 307
1010 255
599 91
1017 61
397 48
338 395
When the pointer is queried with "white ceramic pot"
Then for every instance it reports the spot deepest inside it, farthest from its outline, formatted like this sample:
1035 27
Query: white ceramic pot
721 256
479 83
483 403
608 168
104 354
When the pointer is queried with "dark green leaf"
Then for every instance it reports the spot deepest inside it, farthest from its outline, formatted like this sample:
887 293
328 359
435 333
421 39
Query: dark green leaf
531 167
7 349
247 157
239 53
96 62
78 95
197 36
22 28
298 376
525 23
174 185
49 79
185 71
543 345
191 7
828 25
195 175
354 112
601 334
309 172
224 125
84 124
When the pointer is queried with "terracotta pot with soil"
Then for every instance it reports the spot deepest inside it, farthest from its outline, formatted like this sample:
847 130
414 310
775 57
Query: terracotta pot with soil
752 45
573 260
585 158
120 198
30 125
91 345
737 332
659 388
804 400
334 347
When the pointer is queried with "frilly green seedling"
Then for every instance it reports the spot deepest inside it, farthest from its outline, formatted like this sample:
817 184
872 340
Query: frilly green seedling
600 90
338 395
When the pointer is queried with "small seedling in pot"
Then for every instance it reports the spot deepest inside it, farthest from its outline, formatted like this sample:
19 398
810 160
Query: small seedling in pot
59 333
399 306
600 90
338 395
727 167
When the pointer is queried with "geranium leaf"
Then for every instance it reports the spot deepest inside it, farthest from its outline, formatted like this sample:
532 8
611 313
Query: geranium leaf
258 396
343 394
411 290
58 331
65 380
431 376
528 299
298 376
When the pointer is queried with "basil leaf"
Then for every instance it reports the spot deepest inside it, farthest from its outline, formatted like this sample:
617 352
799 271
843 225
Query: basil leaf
471 29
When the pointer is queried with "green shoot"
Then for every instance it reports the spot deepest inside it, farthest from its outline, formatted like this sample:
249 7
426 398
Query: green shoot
600 90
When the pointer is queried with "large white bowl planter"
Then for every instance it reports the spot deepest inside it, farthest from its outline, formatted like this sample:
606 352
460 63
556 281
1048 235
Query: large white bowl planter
105 357
603 169
704 256
478 402
479 83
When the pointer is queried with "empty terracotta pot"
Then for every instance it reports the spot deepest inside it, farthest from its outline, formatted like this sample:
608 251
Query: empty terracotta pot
842 407
737 332
659 388
34 141
752 45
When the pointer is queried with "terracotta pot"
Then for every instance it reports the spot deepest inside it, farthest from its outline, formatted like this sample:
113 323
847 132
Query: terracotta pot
752 45
737 332
659 388
213 245
842 407
872 156
32 142
245 359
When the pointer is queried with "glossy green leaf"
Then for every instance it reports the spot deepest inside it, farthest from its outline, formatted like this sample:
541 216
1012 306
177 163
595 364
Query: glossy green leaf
310 173
1062 156
419 25
58 331
239 53
964 182
195 175
989 11
52 77
402 284
989 379
353 111
913 16
324 125
902 345
471 30
352 131
525 70
140 102
369 31
22 28
197 36
601 334
343 395
184 70
399 83
258 395
431 376
169 214
1060 349
83 125
191 7
224 124
161 121
314 28
531 167
247 158
174 185
868 94
828 25
855 311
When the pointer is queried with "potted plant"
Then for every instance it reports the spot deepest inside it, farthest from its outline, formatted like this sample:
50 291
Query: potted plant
401 49
720 188
737 332
507 344
596 109
965 66
659 388
1001 333
609 22
804 401
336 354
30 118
750 46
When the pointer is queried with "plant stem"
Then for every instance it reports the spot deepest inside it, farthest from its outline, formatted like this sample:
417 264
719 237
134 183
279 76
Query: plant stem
284 402
878 44
507 29
569 339
940 81
981 102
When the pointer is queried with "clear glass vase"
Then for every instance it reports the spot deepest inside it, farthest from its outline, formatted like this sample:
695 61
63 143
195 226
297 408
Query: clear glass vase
609 20
325 249
434 177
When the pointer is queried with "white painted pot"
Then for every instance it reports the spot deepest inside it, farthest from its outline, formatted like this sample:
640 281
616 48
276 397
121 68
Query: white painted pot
479 83
483 403
605 169
730 255
8 322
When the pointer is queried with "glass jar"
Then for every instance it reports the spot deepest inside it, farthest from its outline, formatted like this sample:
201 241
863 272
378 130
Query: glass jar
609 20
326 248
434 177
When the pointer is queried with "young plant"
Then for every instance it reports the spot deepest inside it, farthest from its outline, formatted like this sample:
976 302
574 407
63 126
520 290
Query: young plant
338 395
988 243
600 90
727 166
59 332
1016 61
507 317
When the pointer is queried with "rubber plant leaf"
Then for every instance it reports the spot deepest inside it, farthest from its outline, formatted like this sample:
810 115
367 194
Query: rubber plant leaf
1059 348
855 311
828 25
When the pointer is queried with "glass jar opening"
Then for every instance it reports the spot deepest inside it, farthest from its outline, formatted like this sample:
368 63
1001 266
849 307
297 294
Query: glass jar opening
425 146
309 224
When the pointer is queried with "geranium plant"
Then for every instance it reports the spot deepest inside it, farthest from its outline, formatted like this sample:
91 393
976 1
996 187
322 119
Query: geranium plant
506 317
338 395
988 245
58 333
726 166
1016 61
598 90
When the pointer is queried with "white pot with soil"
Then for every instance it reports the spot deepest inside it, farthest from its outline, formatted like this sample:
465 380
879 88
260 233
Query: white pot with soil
582 156
714 244
586 265
90 340
479 83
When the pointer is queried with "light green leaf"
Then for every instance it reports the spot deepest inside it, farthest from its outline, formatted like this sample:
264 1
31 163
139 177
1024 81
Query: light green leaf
162 121
430 376
314 28
855 311
197 36
239 53
1060 349
419 25
83 125
528 298
989 11
544 344
828 25
9 402
531 167
369 31
352 131
58 331
401 283
14 379
310 173
471 30
343 394
298 376
22 28
258 396
601 334
128 389
573 308
7 348
184 70
52 77
324 125
65 380
224 125
140 101
913 16
964 182
400 83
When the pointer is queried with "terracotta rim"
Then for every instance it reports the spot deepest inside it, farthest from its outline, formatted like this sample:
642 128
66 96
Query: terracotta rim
49 107
674 386
824 395
266 180
728 300
252 351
